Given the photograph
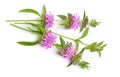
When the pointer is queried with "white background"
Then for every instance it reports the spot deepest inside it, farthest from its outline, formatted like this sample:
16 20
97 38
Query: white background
36 61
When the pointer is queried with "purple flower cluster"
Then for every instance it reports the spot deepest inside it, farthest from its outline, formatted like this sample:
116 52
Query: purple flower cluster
75 22
68 52
48 40
49 20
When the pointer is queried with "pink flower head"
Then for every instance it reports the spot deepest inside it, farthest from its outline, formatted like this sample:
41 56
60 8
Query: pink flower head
49 20
48 40
68 52
75 21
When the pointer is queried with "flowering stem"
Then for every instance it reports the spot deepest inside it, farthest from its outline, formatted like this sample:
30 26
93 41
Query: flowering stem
26 21
64 36
22 20
70 38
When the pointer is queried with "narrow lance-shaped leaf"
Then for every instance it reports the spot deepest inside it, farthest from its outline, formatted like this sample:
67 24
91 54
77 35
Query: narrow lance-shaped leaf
58 46
102 47
32 30
44 9
68 20
65 23
32 24
84 15
84 33
84 22
70 64
80 53
92 47
28 43
62 42
63 17
100 43
30 11
41 28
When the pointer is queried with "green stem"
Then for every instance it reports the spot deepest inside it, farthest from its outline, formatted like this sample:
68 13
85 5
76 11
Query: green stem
26 21
77 45
64 36
21 20
82 42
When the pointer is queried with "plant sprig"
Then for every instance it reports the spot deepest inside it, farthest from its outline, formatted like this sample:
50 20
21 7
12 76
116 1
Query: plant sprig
63 46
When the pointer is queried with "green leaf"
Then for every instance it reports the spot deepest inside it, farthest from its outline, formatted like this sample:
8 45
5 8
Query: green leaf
69 20
84 64
100 43
102 47
85 33
70 64
30 11
92 47
63 17
35 25
80 53
84 15
69 16
62 42
28 43
33 30
44 9
58 46
41 28
77 58
84 22
94 23
66 24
